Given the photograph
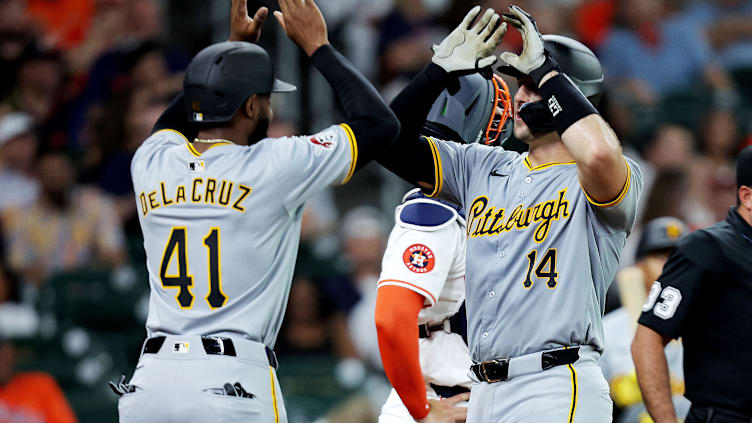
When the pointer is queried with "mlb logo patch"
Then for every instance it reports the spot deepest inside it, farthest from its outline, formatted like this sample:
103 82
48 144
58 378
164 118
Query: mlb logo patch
419 258
181 347
197 166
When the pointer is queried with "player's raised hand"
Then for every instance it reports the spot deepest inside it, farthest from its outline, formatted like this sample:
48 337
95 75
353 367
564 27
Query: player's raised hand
533 60
471 47
242 26
446 410
303 23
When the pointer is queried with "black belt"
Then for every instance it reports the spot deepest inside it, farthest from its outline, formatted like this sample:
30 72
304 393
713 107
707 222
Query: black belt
426 329
498 370
448 391
213 345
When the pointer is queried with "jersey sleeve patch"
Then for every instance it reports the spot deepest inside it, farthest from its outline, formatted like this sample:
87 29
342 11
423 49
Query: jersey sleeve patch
419 258
426 214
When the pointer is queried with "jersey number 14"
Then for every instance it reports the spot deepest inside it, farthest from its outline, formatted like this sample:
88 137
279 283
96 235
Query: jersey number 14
183 280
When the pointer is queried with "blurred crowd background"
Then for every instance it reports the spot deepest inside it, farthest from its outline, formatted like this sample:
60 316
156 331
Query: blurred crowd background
83 81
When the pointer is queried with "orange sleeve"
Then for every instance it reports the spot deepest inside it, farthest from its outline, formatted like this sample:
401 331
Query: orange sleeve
57 409
397 311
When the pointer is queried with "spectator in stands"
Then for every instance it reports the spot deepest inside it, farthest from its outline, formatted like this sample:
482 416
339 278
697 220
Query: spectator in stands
363 236
364 239
18 146
728 28
404 35
67 227
720 138
652 54
16 35
29 397
659 237
38 82
669 147
127 123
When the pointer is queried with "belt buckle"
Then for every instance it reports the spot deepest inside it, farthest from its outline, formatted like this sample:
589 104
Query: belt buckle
484 372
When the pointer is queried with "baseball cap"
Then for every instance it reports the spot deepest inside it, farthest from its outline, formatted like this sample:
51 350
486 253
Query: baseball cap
13 125
660 234
744 168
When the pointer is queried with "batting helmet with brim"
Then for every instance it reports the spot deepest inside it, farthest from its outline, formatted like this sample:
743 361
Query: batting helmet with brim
576 61
661 234
223 76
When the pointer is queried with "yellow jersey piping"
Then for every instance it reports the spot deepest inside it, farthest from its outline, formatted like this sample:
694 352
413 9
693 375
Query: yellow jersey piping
353 152
545 165
621 195
438 170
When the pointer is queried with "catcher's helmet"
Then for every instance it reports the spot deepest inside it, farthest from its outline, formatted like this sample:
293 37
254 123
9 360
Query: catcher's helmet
474 111
578 62
660 234
222 76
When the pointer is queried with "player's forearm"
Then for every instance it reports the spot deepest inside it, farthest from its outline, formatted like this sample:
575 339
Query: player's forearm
410 157
414 102
373 123
397 311
652 374
588 138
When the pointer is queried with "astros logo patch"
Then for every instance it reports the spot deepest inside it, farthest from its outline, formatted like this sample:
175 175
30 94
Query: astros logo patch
419 258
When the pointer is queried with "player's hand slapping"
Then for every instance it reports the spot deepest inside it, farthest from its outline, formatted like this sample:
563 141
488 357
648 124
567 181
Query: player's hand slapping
471 47
446 410
243 27
303 23
533 61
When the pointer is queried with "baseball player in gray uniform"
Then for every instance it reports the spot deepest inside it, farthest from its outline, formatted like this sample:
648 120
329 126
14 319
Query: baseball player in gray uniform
220 210
420 314
544 228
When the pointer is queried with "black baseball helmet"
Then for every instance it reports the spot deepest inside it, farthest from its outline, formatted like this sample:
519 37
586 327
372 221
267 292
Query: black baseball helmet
661 233
578 62
222 76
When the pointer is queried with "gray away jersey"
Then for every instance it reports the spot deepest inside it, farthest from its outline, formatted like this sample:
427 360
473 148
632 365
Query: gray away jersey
221 228
540 253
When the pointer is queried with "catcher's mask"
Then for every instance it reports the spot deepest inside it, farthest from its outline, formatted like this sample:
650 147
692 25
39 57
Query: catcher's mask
476 109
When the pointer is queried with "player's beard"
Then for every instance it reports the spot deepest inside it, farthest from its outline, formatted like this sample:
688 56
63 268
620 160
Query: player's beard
259 133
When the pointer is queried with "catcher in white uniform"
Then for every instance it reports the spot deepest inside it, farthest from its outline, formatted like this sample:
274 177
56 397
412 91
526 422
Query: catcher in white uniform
420 313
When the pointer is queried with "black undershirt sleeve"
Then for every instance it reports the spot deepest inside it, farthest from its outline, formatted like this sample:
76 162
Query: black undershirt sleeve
375 126
410 156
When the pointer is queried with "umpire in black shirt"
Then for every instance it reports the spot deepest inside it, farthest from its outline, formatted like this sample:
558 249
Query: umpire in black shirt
704 296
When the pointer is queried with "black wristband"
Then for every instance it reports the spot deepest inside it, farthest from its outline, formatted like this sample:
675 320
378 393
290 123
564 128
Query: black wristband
565 102
550 64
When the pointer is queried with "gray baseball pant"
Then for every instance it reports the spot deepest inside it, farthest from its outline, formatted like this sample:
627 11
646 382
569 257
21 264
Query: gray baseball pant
183 384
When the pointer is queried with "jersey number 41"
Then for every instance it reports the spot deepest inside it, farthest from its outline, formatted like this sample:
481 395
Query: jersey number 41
184 280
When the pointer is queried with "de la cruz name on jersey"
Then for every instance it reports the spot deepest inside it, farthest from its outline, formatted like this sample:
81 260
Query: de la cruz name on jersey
224 193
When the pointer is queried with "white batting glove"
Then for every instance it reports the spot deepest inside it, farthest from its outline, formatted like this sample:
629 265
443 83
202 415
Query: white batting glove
533 60
470 48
